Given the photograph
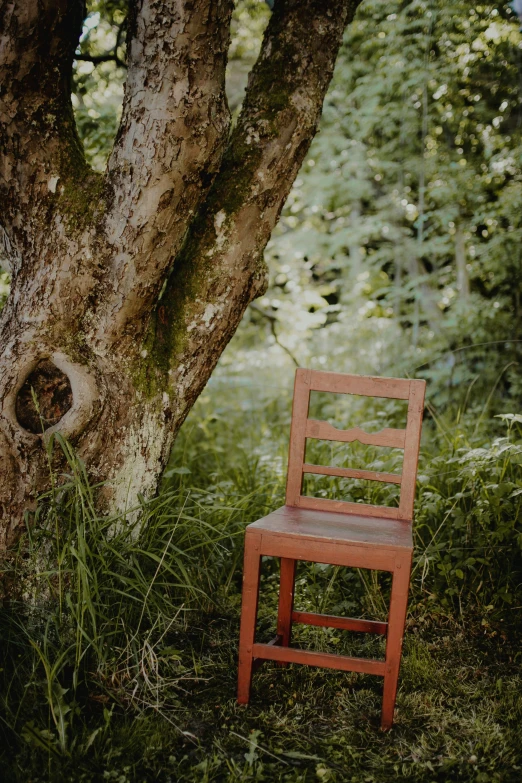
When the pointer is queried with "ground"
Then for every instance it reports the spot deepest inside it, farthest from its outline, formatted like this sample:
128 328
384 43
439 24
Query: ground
458 716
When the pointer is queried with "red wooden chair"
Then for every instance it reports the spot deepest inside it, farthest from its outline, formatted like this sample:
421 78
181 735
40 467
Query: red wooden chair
336 532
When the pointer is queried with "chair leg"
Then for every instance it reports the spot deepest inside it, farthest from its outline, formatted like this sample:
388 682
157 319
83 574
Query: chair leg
251 570
396 623
286 602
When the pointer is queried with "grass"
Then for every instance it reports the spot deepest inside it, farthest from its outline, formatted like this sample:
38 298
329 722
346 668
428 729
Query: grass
123 665
458 717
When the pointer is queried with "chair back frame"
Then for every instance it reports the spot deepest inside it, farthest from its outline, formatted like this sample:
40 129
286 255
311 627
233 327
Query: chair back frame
407 439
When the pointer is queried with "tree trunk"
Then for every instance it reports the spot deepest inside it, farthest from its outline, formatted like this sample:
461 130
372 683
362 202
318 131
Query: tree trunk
127 286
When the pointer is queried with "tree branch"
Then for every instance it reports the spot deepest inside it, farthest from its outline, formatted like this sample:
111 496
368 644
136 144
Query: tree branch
38 140
96 59
272 320
168 149
221 268
111 55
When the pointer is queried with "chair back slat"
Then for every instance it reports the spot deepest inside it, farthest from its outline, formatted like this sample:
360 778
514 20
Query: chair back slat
366 475
323 430
365 385
296 454
302 428
360 509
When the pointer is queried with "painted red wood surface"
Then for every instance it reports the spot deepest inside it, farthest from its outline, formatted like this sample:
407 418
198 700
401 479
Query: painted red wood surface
324 660
323 430
337 532
343 623
366 475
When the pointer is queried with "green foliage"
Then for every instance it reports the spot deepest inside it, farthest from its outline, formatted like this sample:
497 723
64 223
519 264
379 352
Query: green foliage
249 20
469 533
407 210
98 83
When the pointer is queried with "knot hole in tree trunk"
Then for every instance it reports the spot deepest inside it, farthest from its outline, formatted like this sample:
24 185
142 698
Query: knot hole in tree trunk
44 398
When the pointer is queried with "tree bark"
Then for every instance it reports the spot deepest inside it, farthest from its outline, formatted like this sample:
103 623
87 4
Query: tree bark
127 286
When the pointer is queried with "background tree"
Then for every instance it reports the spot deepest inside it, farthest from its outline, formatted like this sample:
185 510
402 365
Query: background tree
127 285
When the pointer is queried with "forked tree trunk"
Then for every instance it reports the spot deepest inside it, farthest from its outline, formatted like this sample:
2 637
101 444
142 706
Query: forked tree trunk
127 286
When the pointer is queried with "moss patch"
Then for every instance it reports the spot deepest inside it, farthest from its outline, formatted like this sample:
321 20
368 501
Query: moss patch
81 200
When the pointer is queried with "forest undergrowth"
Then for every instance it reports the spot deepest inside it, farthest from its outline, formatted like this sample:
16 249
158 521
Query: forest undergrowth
122 666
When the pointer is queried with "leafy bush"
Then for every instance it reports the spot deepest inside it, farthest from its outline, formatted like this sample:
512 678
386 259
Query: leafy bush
468 526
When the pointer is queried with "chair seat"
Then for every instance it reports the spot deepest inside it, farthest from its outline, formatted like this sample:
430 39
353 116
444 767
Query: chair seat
330 527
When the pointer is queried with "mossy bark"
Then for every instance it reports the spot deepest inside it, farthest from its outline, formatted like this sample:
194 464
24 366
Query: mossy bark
132 283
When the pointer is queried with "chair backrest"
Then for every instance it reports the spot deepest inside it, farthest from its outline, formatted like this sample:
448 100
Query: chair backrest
407 439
